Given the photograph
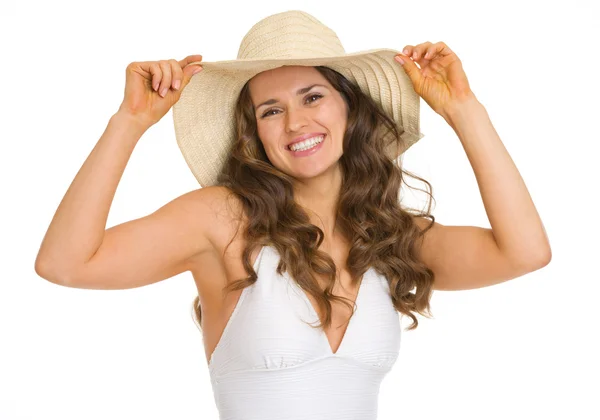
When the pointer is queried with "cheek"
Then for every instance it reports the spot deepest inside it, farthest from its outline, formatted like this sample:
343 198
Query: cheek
269 137
266 132
334 113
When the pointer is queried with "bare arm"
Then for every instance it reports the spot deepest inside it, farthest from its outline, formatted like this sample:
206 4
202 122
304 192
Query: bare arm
77 228
149 249
78 250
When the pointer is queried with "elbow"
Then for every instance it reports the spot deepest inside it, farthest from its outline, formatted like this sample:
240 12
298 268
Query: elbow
532 262
543 259
546 257
48 272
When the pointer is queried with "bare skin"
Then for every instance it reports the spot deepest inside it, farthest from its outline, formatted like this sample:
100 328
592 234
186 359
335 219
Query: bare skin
191 232
318 175
318 183
214 269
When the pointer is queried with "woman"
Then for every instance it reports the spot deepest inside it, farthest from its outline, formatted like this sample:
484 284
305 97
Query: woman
302 219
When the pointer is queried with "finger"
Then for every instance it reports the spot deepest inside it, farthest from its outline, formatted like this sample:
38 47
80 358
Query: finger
431 52
408 50
190 59
177 74
419 51
411 51
443 50
156 72
411 69
188 72
165 82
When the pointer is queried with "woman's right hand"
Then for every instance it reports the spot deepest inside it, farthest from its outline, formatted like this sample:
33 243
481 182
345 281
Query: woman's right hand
146 81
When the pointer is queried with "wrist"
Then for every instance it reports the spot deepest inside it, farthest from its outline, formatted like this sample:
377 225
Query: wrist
136 122
460 109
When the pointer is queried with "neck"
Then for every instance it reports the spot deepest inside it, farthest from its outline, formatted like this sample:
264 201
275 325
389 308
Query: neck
318 196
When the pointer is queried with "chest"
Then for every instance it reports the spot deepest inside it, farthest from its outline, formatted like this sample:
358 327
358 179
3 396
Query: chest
272 325
215 270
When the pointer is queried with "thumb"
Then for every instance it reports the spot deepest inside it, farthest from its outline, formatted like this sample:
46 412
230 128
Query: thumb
410 67
189 71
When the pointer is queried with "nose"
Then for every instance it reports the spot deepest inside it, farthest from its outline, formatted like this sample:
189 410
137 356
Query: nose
295 119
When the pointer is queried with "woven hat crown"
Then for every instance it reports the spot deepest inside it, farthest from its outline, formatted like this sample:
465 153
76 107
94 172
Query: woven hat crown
292 34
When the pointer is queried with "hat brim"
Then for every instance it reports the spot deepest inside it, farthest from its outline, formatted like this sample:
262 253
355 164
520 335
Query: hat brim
203 116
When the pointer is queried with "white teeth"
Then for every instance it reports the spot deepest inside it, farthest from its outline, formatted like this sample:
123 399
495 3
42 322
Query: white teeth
306 144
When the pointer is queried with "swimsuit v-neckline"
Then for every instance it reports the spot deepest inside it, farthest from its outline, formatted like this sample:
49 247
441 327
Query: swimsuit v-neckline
313 311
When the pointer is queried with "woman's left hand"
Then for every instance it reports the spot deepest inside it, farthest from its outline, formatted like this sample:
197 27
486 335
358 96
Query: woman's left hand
441 80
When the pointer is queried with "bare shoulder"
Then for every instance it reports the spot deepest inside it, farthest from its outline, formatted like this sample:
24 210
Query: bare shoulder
223 220
218 210
219 206
211 200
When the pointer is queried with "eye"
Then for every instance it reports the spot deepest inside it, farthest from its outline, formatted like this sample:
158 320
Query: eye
317 95
266 114
314 95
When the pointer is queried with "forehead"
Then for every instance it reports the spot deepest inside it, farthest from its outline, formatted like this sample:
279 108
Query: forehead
284 78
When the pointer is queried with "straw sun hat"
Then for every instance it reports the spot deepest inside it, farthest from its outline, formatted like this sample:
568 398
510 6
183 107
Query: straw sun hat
203 116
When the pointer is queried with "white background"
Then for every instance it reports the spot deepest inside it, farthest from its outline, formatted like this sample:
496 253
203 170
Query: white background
524 349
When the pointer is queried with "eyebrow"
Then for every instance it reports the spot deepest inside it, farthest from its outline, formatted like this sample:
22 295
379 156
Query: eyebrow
298 92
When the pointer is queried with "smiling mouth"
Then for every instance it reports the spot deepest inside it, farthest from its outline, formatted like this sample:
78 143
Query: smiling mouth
309 145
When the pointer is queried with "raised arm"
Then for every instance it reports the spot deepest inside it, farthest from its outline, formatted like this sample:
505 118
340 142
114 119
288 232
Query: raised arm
77 242
145 250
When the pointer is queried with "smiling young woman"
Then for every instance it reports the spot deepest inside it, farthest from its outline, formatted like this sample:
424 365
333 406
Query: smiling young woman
280 237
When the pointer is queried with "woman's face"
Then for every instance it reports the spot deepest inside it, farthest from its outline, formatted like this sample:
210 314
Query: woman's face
293 111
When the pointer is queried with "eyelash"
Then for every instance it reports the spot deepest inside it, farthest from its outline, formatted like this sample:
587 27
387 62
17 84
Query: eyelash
318 95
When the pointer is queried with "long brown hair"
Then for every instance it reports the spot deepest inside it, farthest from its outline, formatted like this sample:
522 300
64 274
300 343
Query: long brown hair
381 233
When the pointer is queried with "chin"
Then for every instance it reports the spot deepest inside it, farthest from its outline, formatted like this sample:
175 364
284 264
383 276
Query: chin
314 171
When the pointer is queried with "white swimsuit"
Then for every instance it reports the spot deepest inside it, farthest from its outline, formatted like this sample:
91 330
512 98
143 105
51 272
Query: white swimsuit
270 365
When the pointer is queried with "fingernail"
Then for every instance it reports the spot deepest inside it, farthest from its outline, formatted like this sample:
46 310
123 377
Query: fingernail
176 84
399 60
197 70
163 92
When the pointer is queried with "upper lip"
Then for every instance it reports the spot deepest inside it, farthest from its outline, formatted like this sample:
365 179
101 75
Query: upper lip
304 137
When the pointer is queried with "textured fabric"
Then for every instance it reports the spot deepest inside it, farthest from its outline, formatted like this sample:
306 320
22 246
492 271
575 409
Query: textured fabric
203 117
269 364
